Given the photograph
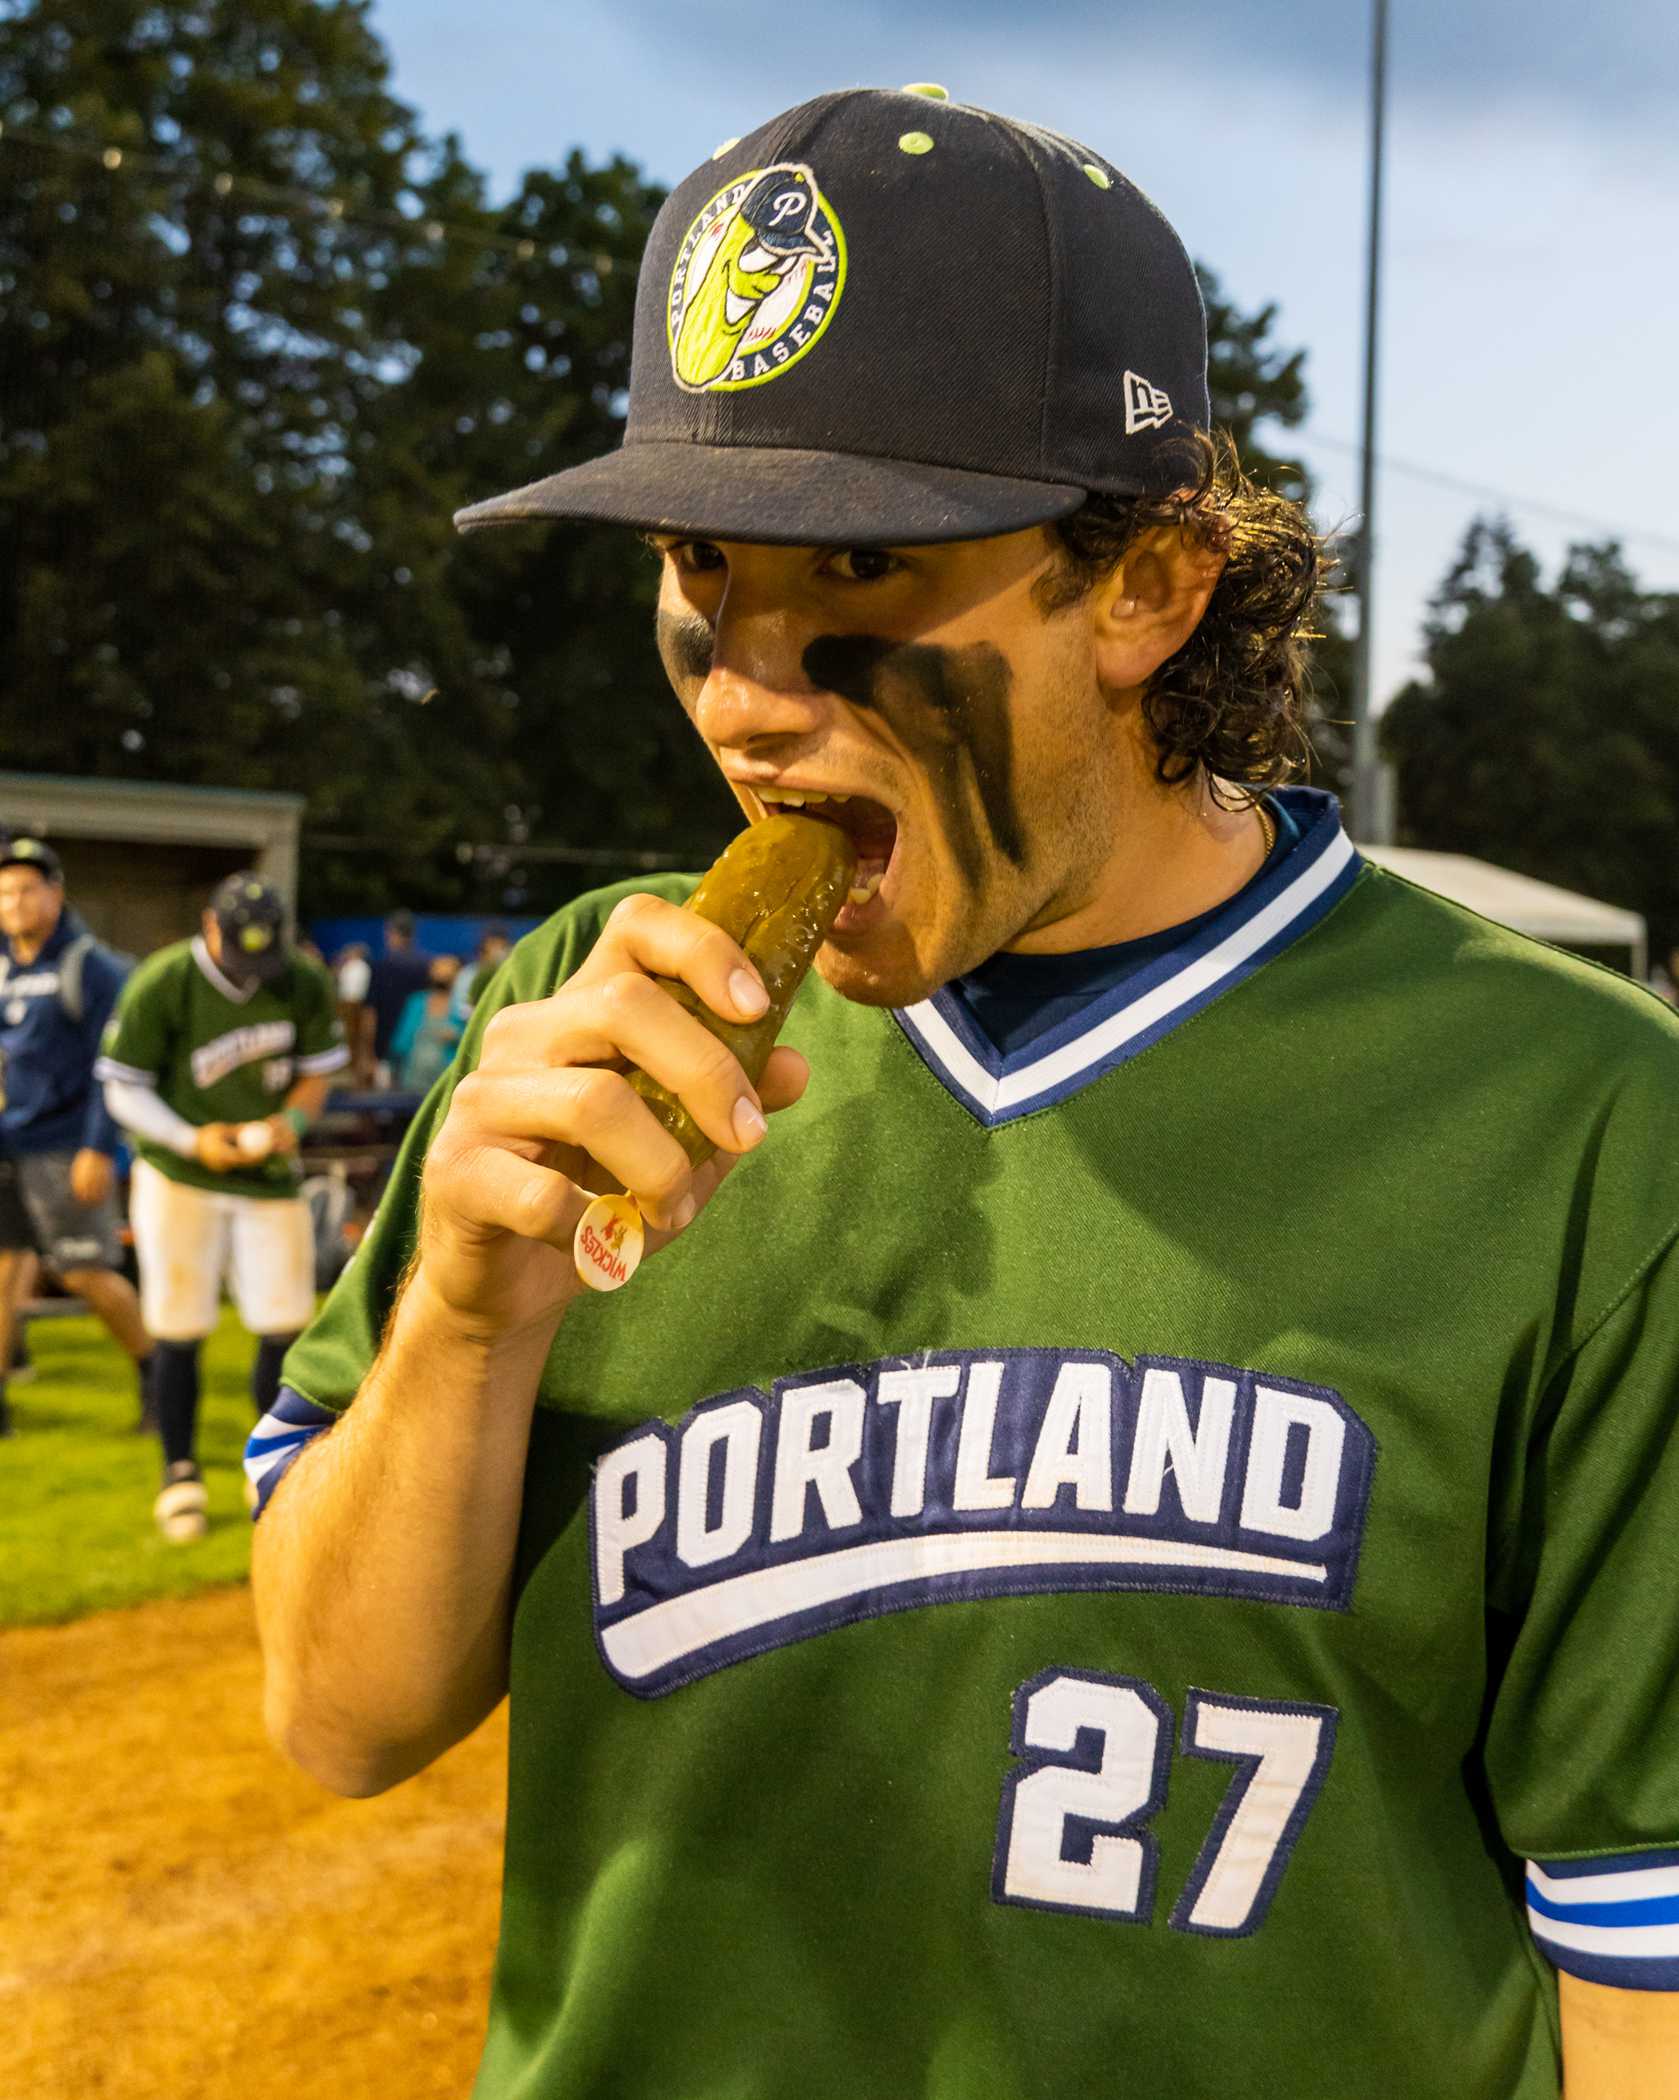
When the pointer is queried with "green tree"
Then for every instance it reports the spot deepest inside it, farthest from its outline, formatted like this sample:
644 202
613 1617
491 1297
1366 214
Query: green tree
177 370
1251 382
1257 389
259 338
1545 733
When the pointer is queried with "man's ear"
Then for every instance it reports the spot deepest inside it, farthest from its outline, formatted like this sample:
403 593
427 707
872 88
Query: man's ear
1150 603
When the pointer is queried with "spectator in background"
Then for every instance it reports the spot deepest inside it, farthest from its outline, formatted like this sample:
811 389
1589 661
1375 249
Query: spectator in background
429 1032
1664 978
58 986
394 978
493 944
352 975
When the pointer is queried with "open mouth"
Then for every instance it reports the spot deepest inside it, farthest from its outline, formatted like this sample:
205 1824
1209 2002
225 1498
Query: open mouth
870 826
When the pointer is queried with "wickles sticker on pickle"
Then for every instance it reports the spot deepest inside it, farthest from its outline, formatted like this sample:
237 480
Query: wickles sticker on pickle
609 1241
756 281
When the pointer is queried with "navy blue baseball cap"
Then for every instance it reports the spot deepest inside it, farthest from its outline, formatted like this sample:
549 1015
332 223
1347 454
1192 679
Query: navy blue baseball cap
887 318
23 851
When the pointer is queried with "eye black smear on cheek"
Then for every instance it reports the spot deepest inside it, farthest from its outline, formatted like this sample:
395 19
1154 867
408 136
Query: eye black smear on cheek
950 708
685 648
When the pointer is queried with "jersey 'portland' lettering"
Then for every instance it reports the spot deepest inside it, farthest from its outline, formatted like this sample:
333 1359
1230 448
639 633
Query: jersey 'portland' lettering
240 1046
753 1523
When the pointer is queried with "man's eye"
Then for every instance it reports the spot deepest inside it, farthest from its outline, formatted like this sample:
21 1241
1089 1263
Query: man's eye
695 557
863 564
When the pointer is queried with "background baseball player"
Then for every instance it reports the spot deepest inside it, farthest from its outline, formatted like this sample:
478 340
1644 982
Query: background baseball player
1134 1545
216 1062
58 986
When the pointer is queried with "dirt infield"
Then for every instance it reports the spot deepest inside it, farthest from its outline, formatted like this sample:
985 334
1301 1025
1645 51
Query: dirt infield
184 1917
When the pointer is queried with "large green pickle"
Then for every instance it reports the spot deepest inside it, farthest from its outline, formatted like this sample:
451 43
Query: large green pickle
777 890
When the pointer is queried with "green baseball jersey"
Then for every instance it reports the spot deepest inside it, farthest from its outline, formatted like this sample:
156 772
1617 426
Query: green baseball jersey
1149 1563
219 1053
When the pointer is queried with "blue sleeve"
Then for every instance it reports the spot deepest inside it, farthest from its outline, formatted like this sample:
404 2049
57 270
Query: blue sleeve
103 978
279 1440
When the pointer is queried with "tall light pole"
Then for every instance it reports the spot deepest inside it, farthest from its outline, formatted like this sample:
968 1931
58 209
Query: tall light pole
1372 782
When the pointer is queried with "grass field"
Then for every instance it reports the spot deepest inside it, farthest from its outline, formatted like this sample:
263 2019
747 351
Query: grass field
76 1482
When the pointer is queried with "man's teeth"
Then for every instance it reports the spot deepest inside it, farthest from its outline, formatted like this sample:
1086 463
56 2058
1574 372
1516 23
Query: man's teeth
869 879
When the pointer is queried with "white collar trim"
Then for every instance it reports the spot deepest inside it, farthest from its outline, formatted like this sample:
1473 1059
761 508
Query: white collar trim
207 963
1270 915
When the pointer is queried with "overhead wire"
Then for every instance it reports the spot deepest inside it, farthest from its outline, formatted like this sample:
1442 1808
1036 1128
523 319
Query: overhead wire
1487 492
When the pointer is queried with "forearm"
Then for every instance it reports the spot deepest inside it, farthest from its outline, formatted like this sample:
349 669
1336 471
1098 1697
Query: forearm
143 1111
308 1097
382 1569
1618 2045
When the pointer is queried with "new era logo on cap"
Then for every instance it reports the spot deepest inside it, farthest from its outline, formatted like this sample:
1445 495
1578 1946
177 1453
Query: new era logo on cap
1146 407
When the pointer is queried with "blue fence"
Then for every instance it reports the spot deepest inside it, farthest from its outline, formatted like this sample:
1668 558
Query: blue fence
439 933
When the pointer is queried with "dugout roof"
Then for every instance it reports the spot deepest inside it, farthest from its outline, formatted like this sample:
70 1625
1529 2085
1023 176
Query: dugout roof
1518 901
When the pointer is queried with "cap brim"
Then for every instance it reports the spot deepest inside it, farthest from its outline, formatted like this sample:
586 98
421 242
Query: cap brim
785 498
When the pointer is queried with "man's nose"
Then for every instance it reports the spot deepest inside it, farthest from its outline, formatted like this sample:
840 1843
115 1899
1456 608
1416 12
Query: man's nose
756 691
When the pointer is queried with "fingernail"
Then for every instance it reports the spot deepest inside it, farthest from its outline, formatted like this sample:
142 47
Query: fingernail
747 993
683 1213
749 1121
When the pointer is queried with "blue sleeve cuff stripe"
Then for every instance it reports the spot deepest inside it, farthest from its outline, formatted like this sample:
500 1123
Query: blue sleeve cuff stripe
1649 1910
291 1406
1621 1974
259 1446
1610 1863
275 1474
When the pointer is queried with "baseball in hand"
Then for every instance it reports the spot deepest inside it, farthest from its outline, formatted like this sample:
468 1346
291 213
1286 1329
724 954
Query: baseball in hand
255 1140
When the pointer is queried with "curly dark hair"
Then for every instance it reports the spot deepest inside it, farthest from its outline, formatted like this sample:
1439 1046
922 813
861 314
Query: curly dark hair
1233 698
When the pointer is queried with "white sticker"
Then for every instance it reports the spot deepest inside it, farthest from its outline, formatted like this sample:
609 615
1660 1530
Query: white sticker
609 1242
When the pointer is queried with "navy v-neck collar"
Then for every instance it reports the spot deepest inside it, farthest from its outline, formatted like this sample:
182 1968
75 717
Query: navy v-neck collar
1288 896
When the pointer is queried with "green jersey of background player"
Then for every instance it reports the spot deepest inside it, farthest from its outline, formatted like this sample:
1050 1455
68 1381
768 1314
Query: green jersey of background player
216 1061
1133 1547
223 1053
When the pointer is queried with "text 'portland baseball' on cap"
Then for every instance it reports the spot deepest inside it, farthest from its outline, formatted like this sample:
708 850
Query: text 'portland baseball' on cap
885 317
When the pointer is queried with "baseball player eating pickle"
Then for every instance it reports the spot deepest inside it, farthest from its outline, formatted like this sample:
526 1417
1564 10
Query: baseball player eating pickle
1104 1551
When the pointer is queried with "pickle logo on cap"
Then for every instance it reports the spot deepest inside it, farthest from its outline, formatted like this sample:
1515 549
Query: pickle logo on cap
756 281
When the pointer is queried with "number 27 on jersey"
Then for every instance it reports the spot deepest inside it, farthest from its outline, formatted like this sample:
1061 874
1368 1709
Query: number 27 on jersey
1095 1752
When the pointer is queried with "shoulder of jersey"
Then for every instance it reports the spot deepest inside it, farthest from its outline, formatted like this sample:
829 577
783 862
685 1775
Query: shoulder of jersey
549 953
1446 953
160 966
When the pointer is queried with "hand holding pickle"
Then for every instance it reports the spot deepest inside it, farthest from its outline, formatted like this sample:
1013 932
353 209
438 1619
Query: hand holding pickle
648 1072
777 890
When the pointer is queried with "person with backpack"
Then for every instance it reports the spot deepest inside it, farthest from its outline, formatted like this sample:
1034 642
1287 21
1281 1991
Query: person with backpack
58 1142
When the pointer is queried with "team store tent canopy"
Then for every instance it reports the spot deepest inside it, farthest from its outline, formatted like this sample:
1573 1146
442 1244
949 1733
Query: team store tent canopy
1538 908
